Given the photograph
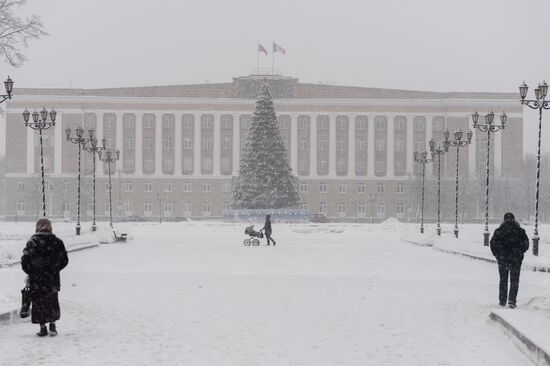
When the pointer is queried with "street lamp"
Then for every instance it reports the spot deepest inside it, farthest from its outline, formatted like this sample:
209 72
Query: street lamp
438 150
422 158
488 127
39 122
109 158
94 149
81 142
160 198
539 103
8 85
458 143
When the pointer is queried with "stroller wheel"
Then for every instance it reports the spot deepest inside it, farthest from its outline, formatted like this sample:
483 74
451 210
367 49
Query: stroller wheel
255 242
246 242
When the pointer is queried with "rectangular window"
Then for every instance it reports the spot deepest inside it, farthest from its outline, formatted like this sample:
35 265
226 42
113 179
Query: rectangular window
129 186
187 121
341 146
400 145
167 186
380 144
127 208
322 187
207 187
322 122
148 207
380 187
226 206
148 187
284 122
361 122
303 187
323 207
148 143
66 186
206 209
400 187
168 144
342 209
323 145
400 209
20 207
129 144
361 209
187 144
207 121
20 186
304 145
226 144
227 122
168 208
381 209
207 164
226 187
360 187
207 144
361 145
186 186
187 208
342 187
149 165
380 166
148 121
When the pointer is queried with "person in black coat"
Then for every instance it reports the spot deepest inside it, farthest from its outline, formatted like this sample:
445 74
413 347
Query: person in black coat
43 258
508 244
267 230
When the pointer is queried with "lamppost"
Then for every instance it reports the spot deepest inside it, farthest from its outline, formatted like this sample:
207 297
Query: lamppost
372 199
40 123
422 158
160 198
81 141
438 150
109 158
458 143
488 127
94 149
8 85
539 103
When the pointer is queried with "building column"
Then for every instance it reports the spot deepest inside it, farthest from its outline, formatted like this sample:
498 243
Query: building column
178 148
331 145
158 144
216 146
58 145
100 135
139 145
498 154
472 156
429 136
313 145
236 143
197 146
410 144
119 143
30 151
293 143
351 145
390 148
370 146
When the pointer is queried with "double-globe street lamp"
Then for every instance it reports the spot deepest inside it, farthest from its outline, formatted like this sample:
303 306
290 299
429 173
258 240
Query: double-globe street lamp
458 143
94 149
488 127
40 123
81 141
422 158
109 159
438 150
539 103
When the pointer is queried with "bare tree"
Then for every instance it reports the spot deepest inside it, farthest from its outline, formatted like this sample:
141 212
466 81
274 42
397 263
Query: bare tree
15 32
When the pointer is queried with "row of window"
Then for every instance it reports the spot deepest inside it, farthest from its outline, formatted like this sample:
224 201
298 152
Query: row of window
304 187
226 121
168 208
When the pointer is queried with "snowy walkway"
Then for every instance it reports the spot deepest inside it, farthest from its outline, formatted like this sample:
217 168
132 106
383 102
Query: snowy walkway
192 294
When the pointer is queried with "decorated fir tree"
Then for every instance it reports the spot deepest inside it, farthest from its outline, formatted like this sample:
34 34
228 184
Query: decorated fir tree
265 179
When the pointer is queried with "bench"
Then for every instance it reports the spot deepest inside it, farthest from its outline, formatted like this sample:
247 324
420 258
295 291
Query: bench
120 237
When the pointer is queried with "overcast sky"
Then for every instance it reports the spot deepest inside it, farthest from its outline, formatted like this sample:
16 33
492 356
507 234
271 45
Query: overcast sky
466 45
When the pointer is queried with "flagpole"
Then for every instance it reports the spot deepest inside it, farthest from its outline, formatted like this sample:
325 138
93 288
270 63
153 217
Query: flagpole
257 59
273 62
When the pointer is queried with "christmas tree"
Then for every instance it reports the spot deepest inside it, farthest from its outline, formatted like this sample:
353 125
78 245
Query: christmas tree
265 179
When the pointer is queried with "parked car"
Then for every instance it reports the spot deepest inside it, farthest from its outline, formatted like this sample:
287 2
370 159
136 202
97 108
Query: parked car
320 218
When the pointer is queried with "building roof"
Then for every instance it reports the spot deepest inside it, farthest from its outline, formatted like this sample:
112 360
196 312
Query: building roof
247 87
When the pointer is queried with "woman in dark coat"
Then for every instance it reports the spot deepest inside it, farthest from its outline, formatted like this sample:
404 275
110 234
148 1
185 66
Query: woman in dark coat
43 258
267 230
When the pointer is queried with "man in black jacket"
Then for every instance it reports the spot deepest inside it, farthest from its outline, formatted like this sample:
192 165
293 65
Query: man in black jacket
267 230
508 244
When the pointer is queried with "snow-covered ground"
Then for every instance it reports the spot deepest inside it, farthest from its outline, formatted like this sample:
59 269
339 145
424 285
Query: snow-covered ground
329 294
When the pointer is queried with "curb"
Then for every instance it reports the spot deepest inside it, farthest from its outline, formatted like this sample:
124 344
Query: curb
12 316
535 352
524 266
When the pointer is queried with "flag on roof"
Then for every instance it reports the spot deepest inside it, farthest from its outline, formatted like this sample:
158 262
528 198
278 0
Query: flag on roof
278 48
262 49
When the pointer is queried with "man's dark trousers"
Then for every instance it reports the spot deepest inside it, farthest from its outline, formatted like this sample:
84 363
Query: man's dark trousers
505 269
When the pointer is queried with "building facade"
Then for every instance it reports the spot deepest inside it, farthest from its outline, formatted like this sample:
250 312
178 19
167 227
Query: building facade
350 147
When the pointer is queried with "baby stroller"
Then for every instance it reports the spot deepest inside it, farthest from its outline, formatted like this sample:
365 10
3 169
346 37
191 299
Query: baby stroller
249 230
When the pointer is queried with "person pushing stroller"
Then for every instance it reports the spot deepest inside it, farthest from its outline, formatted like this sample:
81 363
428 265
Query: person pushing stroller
267 230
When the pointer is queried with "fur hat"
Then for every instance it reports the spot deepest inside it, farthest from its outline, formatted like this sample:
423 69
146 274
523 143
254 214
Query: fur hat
509 216
43 225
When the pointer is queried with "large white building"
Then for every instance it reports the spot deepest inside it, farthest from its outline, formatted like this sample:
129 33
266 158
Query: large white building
351 147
